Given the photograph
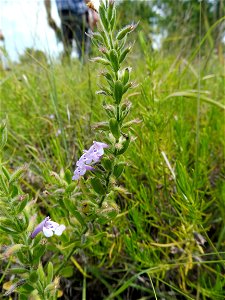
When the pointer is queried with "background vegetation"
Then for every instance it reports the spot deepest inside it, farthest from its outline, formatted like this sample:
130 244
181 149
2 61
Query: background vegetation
167 242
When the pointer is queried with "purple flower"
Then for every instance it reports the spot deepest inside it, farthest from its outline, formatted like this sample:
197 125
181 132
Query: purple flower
98 148
80 171
93 154
48 227
84 159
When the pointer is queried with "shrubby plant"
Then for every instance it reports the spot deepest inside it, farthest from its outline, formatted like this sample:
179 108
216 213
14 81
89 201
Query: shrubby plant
83 202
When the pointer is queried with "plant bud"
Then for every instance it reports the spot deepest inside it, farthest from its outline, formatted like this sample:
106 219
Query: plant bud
110 110
124 31
114 127
103 50
96 36
127 86
126 106
101 126
128 124
100 60
125 145
126 75
103 92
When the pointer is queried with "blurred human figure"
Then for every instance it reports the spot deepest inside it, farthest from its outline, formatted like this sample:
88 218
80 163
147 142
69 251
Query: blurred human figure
2 38
74 17
3 54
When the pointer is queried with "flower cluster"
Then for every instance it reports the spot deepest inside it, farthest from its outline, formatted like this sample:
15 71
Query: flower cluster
48 227
92 155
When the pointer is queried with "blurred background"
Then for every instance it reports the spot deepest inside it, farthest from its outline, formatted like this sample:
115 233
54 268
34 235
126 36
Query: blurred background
167 23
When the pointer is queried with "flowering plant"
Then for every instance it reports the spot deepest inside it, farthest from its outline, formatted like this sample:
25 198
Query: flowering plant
85 202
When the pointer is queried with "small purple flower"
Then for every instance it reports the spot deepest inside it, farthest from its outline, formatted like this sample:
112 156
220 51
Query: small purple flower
97 148
84 159
80 171
93 154
48 227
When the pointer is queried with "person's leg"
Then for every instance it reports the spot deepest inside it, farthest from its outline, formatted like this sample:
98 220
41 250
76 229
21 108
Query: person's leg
67 34
79 29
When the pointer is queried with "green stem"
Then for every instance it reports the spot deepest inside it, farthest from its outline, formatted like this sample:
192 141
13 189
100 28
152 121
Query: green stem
84 285
118 113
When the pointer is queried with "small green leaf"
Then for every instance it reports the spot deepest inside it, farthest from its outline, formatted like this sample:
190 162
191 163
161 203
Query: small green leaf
3 184
22 205
114 127
67 272
36 240
68 176
118 169
50 271
118 91
114 60
38 252
103 18
70 188
41 274
7 230
110 10
98 186
107 164
6 173
71 208
18 174
113 19
3 135
14 190
18 271
33 277
124 53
